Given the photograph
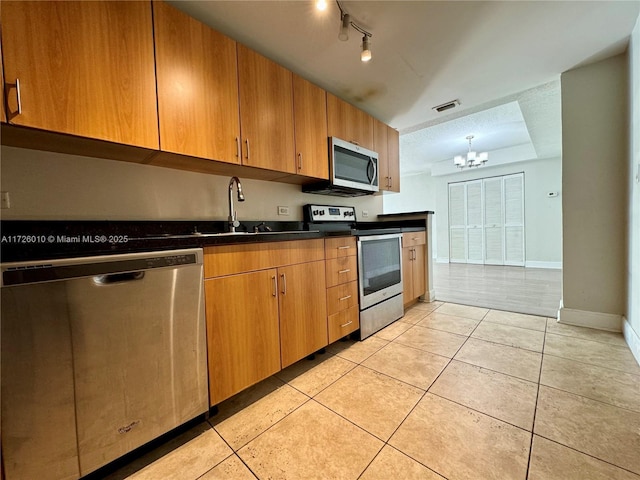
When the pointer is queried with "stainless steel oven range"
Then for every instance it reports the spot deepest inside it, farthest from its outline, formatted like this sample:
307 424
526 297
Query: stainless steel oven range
379 263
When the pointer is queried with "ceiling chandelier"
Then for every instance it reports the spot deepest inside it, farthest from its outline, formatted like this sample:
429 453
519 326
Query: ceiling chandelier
472 159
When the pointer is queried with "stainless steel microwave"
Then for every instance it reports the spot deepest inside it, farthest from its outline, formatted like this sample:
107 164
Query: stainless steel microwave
353 171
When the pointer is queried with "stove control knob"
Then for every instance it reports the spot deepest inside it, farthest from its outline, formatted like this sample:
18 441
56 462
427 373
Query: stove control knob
316 212
321 212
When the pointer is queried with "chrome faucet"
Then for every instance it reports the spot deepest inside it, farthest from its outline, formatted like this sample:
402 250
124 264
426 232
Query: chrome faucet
233 215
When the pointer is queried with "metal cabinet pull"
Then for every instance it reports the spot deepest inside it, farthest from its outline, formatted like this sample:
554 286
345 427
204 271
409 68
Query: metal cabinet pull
19 97
238 153
344 247
354 142
390 182
275 286
248 151
344 271
284 283
345 298
346 324
299 161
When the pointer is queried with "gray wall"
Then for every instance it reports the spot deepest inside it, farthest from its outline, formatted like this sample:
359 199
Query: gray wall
45 185
594 186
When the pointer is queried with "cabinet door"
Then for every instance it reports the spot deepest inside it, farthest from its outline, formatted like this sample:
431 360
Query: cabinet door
197 74
393 159
348 122
3 115
242 331
85 68
380 146
407 274
418 271
266 112
303 311
310 116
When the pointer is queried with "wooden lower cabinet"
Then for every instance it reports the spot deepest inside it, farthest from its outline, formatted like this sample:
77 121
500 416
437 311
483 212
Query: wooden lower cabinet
242 331
343 323
303 311
414 275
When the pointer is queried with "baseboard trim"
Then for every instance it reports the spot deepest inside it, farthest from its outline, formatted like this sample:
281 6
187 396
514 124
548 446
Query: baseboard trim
632 339
581 318
535 264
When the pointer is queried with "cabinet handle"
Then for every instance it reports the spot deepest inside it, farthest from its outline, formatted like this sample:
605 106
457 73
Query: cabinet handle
299 161
238 153
354 142
414 253
248 151
345 298
344 247
390 182
284 283
344 271
19 97
346 324
275 286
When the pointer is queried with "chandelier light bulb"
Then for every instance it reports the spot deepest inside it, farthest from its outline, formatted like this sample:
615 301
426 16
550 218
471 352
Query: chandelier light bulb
472 158
321 4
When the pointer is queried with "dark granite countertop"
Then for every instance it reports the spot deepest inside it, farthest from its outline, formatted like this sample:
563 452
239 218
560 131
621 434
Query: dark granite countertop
27 240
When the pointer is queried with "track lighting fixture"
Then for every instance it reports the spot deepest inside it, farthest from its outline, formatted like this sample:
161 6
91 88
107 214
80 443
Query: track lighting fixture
345 23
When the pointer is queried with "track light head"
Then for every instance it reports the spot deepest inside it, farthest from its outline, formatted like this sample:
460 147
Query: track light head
365 56
344 27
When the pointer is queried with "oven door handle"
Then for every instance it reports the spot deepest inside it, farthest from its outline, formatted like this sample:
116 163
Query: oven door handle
374 171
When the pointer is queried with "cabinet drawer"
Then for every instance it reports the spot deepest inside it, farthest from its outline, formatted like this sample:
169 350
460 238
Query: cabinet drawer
411 239
232 259
342 297
341 270
339 247
343 323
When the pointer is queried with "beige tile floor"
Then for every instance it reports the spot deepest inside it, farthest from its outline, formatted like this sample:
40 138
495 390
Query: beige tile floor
447 392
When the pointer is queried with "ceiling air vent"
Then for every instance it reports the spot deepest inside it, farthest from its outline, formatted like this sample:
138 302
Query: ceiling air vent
446 106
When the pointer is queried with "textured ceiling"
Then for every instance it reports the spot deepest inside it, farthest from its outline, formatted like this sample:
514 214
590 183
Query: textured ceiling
425 53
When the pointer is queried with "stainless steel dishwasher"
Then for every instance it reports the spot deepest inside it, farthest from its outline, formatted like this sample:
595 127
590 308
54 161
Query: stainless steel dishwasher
99 356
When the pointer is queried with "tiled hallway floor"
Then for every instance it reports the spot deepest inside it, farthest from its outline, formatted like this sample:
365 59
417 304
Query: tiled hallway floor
448 391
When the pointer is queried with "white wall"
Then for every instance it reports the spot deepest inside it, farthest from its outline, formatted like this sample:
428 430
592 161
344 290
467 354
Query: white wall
632 325
543 215
53 186
595 173
417 193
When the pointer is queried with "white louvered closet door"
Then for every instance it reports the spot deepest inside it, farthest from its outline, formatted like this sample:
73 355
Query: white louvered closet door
475 250
493 221
457 224
514 219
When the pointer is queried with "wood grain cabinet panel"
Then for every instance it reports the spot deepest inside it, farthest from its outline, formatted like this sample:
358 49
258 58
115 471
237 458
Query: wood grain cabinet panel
266 112
197 72
303 311
349 123
3 115
84 68
413 266
341 270
339 247
386 144
343 323
242 331
310 117
341 297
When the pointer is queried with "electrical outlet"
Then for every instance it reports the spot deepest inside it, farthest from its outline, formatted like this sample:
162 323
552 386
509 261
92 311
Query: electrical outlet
5 201
283 210
365 213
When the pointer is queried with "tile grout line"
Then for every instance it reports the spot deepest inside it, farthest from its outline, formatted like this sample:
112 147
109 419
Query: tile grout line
591 364
623 347
535 410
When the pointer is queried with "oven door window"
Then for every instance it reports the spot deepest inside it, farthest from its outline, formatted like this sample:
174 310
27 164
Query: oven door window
380 264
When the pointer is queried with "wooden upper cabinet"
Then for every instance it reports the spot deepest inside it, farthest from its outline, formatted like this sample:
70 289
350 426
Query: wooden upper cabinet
348 122
84 68
393 159
197 74
266 112
3 115
310 117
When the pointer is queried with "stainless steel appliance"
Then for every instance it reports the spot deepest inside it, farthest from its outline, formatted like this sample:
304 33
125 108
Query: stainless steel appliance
379 263
379 281
353 171
100 355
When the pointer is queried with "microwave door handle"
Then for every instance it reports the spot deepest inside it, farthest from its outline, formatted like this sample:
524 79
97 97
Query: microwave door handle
372 164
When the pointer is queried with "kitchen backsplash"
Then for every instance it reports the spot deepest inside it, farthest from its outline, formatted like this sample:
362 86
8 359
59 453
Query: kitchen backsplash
53 186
